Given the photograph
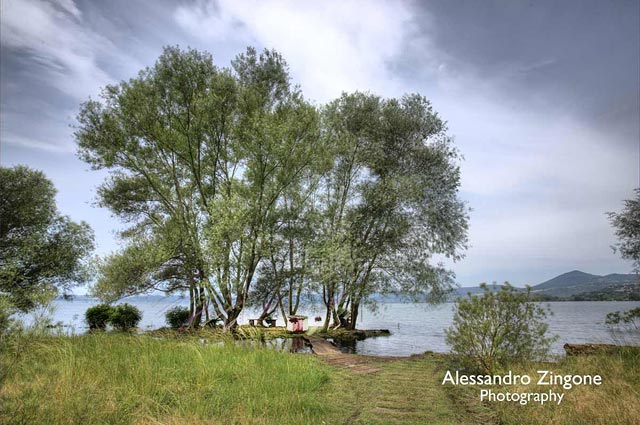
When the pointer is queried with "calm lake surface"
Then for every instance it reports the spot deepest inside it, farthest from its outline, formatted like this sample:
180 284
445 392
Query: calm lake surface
415 328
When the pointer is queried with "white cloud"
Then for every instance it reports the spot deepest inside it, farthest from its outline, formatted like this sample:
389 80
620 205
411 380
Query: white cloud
54 36
539 181
31 143
70 7
330 46
508 150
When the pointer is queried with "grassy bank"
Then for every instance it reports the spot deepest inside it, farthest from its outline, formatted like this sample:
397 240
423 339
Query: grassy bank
616 401
124 379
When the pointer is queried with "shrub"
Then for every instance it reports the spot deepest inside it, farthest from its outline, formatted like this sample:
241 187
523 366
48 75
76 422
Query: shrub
177 316
626 318
498 327
98 316
125 317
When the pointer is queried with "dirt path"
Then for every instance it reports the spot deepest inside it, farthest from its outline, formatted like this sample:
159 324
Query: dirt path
391 390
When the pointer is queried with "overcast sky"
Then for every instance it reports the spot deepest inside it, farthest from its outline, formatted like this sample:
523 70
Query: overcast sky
542 97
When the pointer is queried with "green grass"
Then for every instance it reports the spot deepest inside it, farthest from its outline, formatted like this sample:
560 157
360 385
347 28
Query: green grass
616 401
403 392
113 378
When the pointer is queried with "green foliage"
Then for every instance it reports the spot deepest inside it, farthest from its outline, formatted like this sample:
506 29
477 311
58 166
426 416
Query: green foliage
629 317
125 317
177 316
627 225
228 175
199 158
98 316
496 328
134 270
41 252
388 203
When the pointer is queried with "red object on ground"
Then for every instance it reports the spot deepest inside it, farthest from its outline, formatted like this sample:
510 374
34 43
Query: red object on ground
297 326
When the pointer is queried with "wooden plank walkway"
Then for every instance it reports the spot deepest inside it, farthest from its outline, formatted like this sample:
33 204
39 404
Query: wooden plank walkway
330 354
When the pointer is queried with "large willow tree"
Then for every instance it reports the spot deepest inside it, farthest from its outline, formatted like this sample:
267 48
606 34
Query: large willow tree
199 158
389 203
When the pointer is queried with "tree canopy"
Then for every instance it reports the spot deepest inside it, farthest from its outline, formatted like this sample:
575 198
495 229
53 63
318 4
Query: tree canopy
41 251
389 202
239 191
627 225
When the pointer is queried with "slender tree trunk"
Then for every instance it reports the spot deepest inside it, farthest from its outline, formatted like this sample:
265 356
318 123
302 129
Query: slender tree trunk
201 298
231 321
328 301
353 319
192 300
282 311
336 318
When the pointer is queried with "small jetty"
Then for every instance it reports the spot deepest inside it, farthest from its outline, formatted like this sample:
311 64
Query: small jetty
331 355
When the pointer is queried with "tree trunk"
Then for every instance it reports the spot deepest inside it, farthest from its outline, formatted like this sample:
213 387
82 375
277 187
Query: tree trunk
231 321
201 299
328 301
353 319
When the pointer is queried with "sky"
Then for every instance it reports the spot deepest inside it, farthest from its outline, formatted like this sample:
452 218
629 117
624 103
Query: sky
541 97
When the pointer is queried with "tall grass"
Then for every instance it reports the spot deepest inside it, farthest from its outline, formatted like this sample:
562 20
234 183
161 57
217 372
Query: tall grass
110 378
115 378
616 401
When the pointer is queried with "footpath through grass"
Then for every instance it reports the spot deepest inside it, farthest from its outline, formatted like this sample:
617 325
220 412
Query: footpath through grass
403 392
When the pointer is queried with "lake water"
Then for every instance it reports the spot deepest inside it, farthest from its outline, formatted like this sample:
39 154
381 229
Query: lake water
415 328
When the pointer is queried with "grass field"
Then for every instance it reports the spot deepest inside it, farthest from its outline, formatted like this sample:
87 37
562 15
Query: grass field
615 401
121 379
126 379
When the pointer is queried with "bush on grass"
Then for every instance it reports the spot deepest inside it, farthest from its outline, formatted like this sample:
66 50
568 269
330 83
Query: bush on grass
631 318
125 317
497 328
98 316
177 316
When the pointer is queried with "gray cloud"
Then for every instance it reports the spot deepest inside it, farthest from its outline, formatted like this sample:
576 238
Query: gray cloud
578 57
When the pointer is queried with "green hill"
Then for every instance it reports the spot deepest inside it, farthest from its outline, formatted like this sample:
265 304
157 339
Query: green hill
577 282
579 286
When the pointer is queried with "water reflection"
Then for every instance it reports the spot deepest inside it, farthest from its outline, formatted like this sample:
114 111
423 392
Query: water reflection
285 345
345 345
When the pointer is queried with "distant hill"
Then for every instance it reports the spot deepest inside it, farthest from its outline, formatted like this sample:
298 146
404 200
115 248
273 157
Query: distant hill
566 280
577 282
576 285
